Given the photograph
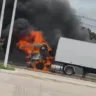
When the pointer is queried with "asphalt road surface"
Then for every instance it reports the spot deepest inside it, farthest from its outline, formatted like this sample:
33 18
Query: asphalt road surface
15 85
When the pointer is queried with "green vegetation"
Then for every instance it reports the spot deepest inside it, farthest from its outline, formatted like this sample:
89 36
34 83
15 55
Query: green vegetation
9 67
92 35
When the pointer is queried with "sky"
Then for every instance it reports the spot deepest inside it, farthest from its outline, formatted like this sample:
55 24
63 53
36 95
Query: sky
86 8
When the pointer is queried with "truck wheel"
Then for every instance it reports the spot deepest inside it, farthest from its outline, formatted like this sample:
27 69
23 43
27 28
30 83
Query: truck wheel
69 70
40 66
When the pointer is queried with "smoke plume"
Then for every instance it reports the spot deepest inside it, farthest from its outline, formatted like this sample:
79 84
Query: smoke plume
55 18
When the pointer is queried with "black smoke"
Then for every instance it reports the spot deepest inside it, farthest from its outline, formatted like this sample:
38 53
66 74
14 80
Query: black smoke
55 18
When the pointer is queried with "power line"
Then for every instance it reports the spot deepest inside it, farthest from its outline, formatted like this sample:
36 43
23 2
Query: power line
86 18
89 19
88 24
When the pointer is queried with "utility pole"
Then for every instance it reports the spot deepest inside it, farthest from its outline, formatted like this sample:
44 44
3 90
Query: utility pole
10 34
2 16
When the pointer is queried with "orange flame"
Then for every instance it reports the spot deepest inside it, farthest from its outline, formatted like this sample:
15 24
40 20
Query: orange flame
26 43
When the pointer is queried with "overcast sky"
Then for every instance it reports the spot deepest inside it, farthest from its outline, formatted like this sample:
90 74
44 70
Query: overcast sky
86 8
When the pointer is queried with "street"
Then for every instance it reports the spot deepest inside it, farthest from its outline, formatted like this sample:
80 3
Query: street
15 85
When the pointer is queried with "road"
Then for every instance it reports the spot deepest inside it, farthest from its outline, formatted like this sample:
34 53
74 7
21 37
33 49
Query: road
15 85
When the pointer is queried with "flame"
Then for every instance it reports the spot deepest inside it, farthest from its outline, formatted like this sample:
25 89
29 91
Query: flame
26 44
26 41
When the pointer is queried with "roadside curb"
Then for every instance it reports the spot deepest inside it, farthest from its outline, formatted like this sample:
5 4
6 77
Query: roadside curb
8 71
55 78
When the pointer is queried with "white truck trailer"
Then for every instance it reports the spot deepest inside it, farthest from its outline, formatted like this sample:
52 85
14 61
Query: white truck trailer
72 53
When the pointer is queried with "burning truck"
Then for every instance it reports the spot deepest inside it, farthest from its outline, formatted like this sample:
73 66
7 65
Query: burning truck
68 56
56 19
37 50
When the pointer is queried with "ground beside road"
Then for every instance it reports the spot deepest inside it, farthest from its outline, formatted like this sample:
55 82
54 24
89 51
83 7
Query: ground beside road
44 85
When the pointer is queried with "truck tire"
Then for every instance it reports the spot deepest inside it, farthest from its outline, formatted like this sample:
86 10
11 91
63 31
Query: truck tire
69 70
40 66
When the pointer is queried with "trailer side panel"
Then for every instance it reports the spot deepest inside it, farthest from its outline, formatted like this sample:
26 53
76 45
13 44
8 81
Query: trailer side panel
76 52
